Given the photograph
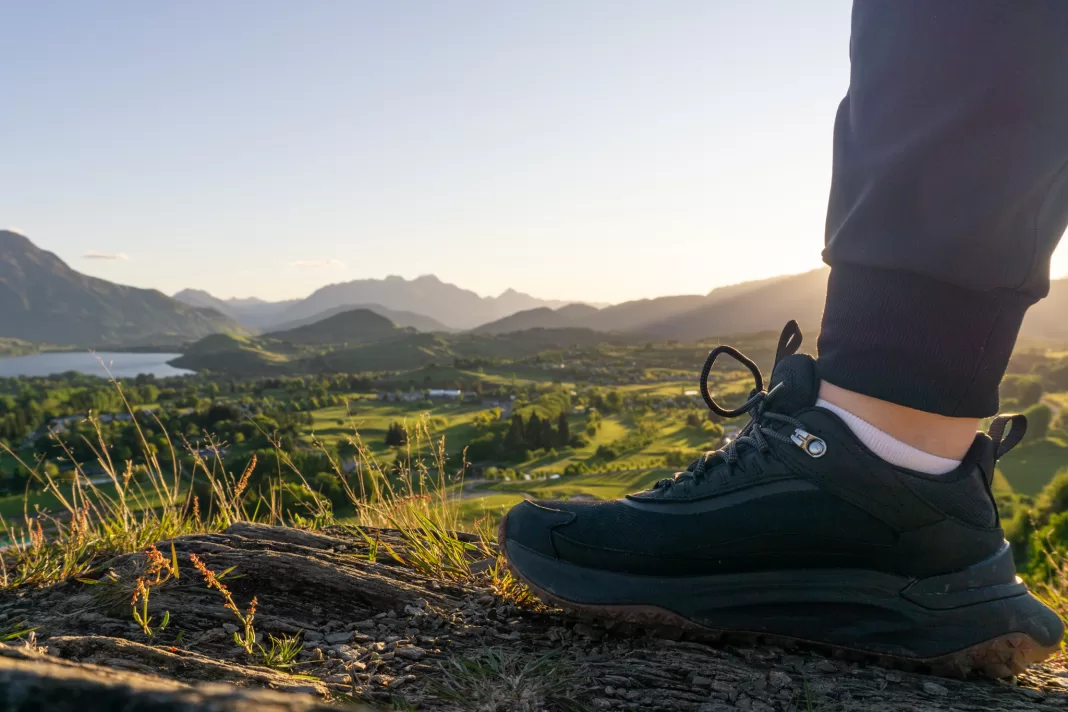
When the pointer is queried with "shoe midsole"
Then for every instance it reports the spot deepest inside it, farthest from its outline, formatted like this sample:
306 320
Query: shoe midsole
861 609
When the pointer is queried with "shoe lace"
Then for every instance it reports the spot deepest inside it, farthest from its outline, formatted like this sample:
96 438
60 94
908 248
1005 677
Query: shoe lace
760 429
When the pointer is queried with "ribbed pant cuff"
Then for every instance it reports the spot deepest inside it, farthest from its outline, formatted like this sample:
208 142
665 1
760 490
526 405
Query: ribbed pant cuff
918 342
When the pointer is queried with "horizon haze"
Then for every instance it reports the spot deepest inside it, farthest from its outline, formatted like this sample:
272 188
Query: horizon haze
589 151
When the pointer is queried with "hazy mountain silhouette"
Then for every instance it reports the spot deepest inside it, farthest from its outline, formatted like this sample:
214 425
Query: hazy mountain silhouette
742 308
747 308
250 311
445 304
259 314
455 307
43 299
683 317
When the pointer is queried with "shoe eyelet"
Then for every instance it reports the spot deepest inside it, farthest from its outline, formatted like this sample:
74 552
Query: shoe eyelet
813 446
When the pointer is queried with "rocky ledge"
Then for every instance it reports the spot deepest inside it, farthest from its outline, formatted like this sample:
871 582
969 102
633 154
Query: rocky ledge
379 635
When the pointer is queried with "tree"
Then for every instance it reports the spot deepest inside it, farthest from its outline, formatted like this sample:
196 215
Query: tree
485 419
533 432
1054 497
515 439
606 452
548 436
1038 421
1030 393
396 435
714 432
563 431
1026 390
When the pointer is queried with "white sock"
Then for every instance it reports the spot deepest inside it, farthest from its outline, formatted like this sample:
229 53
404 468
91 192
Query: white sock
890 448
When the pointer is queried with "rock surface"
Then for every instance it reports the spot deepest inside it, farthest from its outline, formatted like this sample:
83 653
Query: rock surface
31 681
381 634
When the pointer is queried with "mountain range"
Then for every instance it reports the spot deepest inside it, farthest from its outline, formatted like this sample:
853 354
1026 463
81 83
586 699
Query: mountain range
425 303
42 299
742 308
735 309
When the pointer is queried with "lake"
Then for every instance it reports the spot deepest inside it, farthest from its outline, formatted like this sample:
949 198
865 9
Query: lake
121 365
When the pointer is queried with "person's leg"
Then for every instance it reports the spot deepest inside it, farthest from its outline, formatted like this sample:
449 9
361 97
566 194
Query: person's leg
950 192
940 435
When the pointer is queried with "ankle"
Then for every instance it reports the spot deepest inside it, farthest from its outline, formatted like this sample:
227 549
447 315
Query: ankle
932 433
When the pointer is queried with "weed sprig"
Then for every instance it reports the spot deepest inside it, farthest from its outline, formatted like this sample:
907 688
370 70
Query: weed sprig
247 638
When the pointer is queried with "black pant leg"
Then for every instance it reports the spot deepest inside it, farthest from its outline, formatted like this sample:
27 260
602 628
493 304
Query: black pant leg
949 194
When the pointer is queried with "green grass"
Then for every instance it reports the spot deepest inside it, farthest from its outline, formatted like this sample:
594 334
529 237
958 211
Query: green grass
1031 466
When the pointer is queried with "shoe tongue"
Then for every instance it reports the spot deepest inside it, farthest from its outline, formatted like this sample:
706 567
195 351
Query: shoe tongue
800 384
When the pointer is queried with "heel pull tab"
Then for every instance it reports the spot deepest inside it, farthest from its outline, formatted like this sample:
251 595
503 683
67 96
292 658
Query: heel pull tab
1003 442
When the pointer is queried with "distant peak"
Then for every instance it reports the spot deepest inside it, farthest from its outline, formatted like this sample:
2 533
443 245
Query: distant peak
12 238
428 278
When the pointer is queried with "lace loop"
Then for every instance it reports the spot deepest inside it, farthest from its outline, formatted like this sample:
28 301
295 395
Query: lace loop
789 342
740 358
759 430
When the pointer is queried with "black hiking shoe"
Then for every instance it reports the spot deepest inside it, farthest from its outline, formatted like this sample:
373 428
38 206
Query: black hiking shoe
797 531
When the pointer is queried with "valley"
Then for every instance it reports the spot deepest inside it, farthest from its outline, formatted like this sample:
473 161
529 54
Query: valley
515 397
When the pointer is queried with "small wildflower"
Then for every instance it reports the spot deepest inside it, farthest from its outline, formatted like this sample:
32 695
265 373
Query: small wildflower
157 565
139 590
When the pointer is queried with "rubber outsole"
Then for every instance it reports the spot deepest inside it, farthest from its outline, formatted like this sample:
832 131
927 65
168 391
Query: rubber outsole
999 656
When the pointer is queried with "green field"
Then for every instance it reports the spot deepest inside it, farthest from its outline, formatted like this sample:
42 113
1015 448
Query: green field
1029 467
1024 471
371 418
13 506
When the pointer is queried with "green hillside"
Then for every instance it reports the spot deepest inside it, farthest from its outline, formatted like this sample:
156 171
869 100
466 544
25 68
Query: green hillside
361 340
16 347
399 317
226 353
353 326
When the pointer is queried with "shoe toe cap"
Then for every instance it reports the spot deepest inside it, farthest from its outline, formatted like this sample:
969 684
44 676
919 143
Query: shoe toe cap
530 524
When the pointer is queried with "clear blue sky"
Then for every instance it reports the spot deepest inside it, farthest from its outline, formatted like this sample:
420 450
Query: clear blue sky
586 149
